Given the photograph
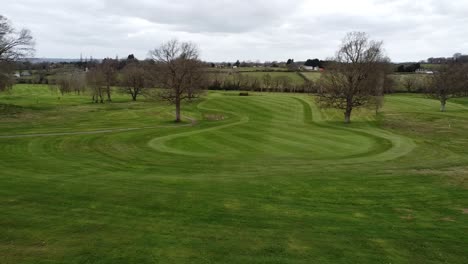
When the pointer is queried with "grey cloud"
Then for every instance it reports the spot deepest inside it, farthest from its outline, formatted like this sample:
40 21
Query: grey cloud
245 30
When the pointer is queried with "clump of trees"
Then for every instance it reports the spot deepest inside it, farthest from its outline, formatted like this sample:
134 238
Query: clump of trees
267 82
451 80
355 76
14 45
408 68
315 63
100 78
72 81
457 58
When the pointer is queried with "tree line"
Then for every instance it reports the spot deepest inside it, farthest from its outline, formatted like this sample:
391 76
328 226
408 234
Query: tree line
173 74
237 81
358 75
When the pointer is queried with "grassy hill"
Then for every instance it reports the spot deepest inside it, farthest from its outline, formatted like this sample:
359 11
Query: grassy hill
268 178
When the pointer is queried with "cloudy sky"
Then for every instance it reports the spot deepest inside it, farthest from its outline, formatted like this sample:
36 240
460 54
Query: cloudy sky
247 30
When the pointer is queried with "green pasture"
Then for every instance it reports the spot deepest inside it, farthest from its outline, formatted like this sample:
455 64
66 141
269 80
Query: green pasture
266 178
294 77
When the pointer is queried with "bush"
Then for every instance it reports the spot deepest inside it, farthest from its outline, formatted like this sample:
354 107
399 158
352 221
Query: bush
243 94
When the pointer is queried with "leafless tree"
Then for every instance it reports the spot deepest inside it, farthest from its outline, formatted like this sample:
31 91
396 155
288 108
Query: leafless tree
108 69
134 79
411 83
465 81
13 46
350 79
448 82
71 81
179 72
96 83
6 78
266 82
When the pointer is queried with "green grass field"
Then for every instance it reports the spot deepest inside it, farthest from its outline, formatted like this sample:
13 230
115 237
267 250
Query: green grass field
267 178
293 76
312 76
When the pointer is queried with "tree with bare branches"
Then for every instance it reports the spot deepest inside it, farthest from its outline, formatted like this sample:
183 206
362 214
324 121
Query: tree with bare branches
179 72
108 69
96 82
448 82
71 81
14 45
351 77
266 79
134 79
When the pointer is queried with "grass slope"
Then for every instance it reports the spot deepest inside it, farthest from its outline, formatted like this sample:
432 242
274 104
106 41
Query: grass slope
293 76
271 179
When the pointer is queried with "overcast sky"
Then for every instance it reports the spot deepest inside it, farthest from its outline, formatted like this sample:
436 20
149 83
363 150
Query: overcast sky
246 30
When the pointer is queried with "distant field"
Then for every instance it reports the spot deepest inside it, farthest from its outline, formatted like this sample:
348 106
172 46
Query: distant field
295 78
261 69
313 76
430 66
267 178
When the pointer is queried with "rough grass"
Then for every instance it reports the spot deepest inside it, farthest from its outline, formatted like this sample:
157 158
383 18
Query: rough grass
312 76
293 76
275 180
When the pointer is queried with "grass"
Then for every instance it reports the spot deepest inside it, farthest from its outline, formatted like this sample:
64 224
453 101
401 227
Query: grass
243 69
295 78
312 76
272 179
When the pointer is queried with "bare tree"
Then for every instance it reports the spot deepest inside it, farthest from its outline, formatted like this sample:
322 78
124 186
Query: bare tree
408 83
71 81
13 46
6 78
179 72
96 83
108 68
448 82
350 79
266 82
134 79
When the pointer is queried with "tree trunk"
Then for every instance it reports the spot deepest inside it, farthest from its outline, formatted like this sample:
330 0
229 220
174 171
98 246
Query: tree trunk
349 108
177 103
347 116
442 105
108 94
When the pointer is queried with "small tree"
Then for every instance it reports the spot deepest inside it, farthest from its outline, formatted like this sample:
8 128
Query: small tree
448 82
410 83
71 81
108 69
95 80
267 80
350 79
133 79
179 72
